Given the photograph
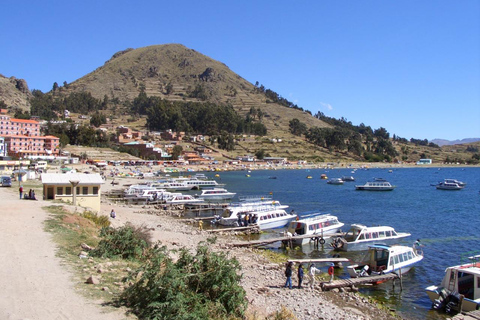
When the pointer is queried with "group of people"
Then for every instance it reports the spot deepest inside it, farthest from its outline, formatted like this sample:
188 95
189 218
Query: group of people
30 195
312 271
248 218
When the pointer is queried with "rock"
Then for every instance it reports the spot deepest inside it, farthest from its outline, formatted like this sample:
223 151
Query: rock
93 280
86 247
105 289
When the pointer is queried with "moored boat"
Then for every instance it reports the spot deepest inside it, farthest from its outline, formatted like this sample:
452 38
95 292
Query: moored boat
359 237
234 214
316 224
462 280
382 259
376 185
336 181
348 178
272 219
216 194
446 185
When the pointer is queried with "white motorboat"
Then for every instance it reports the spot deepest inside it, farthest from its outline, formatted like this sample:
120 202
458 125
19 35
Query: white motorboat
136 190
460 183
178 198
381 259
271 219
316 224
216 194
234 213
463 279
336 181
446 185
359 237
376 185
348 178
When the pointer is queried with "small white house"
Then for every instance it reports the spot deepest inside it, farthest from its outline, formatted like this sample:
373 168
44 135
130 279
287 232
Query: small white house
83 189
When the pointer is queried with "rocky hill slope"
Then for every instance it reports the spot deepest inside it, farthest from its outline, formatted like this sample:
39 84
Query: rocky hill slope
15 93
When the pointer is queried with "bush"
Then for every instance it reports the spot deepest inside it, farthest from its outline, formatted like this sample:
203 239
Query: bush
101 221
127 242
204 286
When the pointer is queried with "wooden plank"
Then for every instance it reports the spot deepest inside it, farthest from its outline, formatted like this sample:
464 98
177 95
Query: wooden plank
232 229
358 281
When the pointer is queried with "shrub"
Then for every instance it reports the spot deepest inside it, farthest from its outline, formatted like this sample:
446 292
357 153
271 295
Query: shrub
204 286
101 221
127 242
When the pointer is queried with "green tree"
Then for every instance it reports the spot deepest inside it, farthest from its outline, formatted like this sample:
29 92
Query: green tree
297 127
176 152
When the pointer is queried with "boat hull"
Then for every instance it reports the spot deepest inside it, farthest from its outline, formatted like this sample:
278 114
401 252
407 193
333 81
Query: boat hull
324 234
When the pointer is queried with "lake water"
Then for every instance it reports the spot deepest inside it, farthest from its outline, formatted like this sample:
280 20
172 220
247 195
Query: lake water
446 222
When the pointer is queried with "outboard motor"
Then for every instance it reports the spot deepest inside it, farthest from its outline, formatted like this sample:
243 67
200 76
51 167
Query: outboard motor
453 303
440 303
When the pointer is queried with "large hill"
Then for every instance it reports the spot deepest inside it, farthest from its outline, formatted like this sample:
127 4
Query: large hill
173 72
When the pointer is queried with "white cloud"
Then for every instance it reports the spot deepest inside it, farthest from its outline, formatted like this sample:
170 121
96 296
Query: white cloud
326 106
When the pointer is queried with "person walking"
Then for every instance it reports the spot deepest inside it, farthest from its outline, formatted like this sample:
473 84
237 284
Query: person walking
300 276
311 275
288 274
20 190
331 271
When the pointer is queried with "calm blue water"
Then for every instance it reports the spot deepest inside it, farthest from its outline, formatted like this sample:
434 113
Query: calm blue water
447 222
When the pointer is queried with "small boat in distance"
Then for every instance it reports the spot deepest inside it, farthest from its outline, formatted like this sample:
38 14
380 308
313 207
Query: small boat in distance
348 178
316 224
323 176
462 279
359 237
448 186
382 259
460 183
378 184
336 181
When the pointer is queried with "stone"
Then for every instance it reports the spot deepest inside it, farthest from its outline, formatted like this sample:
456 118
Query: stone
93 280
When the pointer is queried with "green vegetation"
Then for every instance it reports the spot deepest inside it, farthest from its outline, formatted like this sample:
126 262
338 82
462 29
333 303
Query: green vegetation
200 286
127 242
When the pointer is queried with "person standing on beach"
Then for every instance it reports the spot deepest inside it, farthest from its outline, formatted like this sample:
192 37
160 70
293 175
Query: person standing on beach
331 271
311 275
20 190
300 276
288 274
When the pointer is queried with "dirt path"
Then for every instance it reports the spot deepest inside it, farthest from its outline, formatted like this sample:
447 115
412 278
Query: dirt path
33 283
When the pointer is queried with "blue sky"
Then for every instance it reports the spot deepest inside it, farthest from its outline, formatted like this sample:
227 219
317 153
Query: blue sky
412 67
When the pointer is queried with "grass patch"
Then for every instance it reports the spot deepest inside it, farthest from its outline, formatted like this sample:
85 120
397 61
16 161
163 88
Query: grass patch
69 232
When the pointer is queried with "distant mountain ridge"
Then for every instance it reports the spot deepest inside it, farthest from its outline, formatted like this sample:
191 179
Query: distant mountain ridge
443 142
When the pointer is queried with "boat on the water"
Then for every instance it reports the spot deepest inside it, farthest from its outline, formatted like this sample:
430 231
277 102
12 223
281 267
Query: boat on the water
348 178
449 185
359 237
323 176
234 214
316 224
460 183
336 181
382 259
178 198
377 184
459 280
216 194
272 219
